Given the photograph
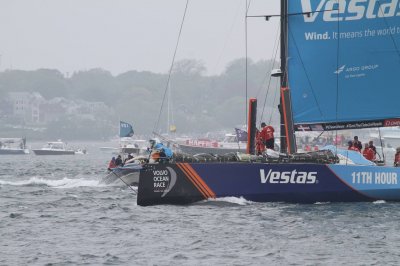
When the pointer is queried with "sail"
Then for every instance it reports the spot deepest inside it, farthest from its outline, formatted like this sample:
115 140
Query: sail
344 63
125 129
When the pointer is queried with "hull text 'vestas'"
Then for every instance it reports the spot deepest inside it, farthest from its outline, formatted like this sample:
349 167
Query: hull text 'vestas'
294 177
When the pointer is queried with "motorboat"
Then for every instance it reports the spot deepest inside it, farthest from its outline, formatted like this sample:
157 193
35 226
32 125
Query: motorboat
54 148
130 145
13 146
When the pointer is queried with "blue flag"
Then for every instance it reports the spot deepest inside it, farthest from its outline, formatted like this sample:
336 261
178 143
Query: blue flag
125 129
241 134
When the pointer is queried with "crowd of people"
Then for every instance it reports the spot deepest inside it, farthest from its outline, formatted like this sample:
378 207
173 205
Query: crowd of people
158 152
115 162
369 151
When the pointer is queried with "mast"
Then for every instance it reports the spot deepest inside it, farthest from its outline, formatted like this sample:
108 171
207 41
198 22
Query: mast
251 127
288 140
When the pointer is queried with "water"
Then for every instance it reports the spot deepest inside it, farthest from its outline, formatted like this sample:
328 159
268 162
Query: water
55 211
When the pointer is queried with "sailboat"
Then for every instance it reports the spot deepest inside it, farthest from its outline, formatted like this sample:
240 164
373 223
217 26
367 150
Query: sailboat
340 65
13 146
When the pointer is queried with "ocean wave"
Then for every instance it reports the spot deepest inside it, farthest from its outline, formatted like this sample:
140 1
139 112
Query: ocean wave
56 183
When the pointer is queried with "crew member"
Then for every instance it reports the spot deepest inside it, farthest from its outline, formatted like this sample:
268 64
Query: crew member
357 143
260 147
371 145
351 146
154 145
397 158
128 158
267 135
118 161
368 153
111 164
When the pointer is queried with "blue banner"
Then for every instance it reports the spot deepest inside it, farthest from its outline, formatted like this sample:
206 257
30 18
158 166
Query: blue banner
125 129
241 134
344 60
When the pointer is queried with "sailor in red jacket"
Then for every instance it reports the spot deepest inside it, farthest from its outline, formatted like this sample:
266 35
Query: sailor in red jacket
260 147
112 164
351 147
397 158
267 135
368 153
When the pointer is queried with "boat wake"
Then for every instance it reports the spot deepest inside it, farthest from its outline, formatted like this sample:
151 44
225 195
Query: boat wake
55 183
229 200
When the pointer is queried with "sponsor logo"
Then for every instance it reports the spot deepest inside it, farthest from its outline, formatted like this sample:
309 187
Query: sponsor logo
347 10
164 180
353 125
303 128
293 177
392 122
377 178
340 69
356 71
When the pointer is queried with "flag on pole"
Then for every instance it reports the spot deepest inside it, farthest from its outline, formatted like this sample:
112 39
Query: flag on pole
241 134
125 129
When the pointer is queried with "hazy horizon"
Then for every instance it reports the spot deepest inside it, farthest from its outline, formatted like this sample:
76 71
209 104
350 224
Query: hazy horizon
123 35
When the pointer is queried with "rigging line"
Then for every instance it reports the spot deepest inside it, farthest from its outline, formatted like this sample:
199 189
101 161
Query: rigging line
387 25
276 44
245 47
227 38
172 65
292 14
277 41
135 191
306 73
337 80
223 49
248 3
380 139
274 109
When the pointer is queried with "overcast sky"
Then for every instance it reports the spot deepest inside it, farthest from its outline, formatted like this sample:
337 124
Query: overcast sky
123 35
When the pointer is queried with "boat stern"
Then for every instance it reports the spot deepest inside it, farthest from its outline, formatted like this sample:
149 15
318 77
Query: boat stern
164 184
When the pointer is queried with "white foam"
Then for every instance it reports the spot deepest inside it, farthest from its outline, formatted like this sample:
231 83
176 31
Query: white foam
56 183
235 200
379 202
